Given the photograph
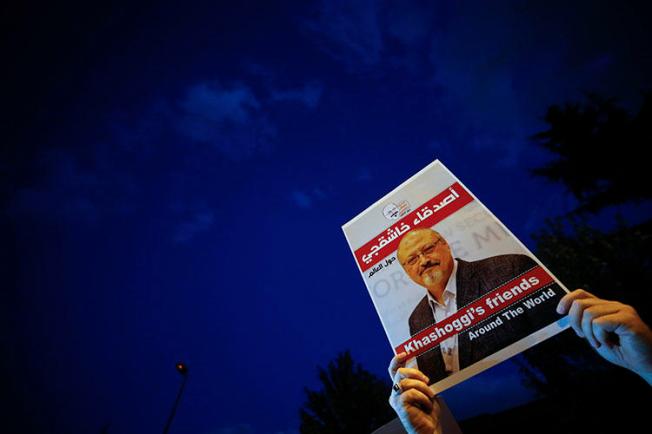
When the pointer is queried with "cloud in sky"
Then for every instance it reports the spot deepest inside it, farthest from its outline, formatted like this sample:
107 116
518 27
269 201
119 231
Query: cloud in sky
348 31
228 118
494 74
410 22
218 104
307 198
199 222
380 37
309 95
365 34
301 199
233 119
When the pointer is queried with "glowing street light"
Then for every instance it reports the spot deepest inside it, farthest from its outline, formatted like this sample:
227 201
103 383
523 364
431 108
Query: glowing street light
182 369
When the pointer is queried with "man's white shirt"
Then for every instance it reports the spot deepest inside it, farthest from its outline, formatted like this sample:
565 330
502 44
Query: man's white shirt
449 347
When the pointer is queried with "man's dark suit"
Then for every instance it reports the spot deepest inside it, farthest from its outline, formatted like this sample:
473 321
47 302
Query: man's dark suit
474 279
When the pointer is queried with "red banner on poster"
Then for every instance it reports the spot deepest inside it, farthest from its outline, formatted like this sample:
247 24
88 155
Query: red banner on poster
427 215
485 307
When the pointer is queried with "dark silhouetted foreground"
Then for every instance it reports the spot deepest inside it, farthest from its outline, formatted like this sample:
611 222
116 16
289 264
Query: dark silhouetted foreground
351 400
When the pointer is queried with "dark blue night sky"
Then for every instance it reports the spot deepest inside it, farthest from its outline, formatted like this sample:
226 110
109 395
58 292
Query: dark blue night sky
175 176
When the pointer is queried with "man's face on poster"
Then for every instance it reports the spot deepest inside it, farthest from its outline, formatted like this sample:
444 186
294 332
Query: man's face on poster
426 257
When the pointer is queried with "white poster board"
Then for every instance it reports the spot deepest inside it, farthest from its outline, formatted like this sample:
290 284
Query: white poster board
453 287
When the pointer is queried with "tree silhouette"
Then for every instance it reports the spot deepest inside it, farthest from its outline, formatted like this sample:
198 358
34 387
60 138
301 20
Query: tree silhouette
598 146
599 149
613 265
351 400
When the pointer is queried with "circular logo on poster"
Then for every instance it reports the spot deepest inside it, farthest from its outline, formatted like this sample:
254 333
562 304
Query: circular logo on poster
391 211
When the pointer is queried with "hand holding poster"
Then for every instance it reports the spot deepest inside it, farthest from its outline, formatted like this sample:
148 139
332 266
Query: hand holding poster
452 285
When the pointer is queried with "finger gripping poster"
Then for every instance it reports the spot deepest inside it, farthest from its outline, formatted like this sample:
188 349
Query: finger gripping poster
453 287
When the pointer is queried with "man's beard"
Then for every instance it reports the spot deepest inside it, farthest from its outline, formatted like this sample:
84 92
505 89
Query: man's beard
433 276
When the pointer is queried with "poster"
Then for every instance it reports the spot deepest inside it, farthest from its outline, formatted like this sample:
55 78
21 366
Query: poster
453 287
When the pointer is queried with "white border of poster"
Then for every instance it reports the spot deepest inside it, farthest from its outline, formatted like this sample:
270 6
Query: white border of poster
435 200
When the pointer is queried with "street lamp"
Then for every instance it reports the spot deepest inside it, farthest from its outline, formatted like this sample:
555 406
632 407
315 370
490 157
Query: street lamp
182 369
